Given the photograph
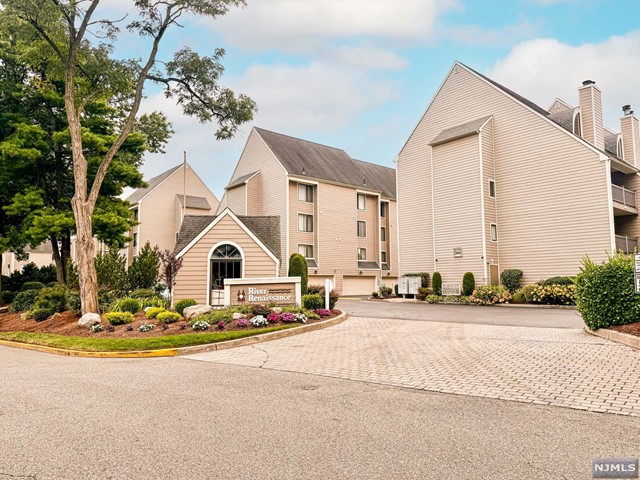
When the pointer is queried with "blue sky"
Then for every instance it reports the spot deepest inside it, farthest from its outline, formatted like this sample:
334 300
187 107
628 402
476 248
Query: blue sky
358 74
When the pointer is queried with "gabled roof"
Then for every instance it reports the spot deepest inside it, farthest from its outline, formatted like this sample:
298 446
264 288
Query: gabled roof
303 158
368 265
564 118
152 184
266 229
240 180
611 141
197 203
459 131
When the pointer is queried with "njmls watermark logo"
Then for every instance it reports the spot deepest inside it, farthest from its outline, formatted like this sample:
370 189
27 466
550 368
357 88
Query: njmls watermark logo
614 468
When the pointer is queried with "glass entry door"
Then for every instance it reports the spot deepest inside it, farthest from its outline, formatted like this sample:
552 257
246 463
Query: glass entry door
226 262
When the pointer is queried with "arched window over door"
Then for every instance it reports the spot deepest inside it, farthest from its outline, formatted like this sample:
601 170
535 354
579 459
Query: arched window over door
226 262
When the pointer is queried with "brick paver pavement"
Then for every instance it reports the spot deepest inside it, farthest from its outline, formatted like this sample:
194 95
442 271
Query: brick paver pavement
560 367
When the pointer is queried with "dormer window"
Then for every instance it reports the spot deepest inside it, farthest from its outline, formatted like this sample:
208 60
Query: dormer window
577 127
620 148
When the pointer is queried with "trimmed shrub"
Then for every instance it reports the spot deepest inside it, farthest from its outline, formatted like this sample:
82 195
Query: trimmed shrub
31 286
51 299
468 284
375 294
143 293
559 281
519 297
127 304
313 301
527 291
424 278
119 318
41 314
605 293
423 293
511 279
437 283
385 292
433 299
24 301
298 268
554 294
168 317
184 303
490 295
153 312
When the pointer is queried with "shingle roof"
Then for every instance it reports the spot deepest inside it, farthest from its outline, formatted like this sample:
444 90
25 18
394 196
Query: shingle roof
197 203
308 159
240 180
611 142
137 195
564 118
311 263
459 131
267 229
366 265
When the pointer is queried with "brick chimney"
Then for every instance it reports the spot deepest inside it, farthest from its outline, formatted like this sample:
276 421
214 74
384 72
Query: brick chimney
591 113
630 128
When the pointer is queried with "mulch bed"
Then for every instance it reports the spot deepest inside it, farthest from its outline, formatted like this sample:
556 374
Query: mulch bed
66 323
629 328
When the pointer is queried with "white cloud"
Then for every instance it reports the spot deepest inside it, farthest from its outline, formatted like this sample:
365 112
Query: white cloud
477 35
544 69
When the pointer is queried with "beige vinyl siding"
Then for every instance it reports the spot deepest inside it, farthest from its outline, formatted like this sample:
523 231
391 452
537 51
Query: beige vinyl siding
254 195
320 279
629 225
392 239
370 215
457 210
591 114
490 204
297 207
157 210
256 156
552 190
557 107
192 278
237 199
630 139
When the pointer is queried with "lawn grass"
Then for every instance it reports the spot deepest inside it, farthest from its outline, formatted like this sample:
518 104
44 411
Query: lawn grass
89 344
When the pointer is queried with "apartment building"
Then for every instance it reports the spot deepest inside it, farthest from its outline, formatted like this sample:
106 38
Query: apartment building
488 180
339 213
160 207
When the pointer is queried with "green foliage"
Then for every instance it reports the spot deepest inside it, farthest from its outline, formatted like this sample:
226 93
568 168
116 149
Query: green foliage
452 299
424 278
519 297
7 297
73 300
52 299
32 286
385 292
490 295
554 294
73 281
293 309
437 283
605 293
312 301
511 279
298 268
119 318
111 268
155 301
143 272
319 289
105 298
559 281
126 304
468 284
168 317
143 293
375 294
153 312
433 299
41 314
222 314
184 303
30 273
423 293
24 301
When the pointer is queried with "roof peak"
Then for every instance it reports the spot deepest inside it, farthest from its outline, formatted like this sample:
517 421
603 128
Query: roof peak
259 129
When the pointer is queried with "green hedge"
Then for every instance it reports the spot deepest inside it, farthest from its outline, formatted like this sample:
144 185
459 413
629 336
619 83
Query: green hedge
468 284
605 293
298 268
119 318
511 279
437 283
312 301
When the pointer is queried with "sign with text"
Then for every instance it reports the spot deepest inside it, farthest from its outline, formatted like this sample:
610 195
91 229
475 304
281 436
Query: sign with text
262 291
450 289
457 252
636 264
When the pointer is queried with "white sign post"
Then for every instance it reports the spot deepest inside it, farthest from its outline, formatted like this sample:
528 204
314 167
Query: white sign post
636 264
328 286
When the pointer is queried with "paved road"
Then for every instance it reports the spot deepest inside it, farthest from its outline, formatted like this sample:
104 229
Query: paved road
549 366
72 418
513 316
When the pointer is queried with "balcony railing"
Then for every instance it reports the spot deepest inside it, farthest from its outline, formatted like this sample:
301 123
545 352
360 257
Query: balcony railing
623 196
626 244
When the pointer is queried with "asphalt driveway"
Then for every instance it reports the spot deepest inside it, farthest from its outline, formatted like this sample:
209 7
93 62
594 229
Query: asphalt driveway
507 316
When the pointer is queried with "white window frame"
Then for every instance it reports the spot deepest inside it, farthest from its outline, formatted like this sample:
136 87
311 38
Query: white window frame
492 182
358 228
300 215
364 201
493 229
364 250
383 257
383 229
304 254
305 188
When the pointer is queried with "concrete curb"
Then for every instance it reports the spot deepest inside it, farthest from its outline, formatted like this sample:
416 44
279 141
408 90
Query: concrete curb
618 337
504 305
174 352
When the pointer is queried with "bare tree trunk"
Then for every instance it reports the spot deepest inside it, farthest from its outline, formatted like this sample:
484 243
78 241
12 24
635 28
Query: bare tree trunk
85 253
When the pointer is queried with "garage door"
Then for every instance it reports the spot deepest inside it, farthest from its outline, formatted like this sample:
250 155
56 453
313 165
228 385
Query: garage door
358 285
319 280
